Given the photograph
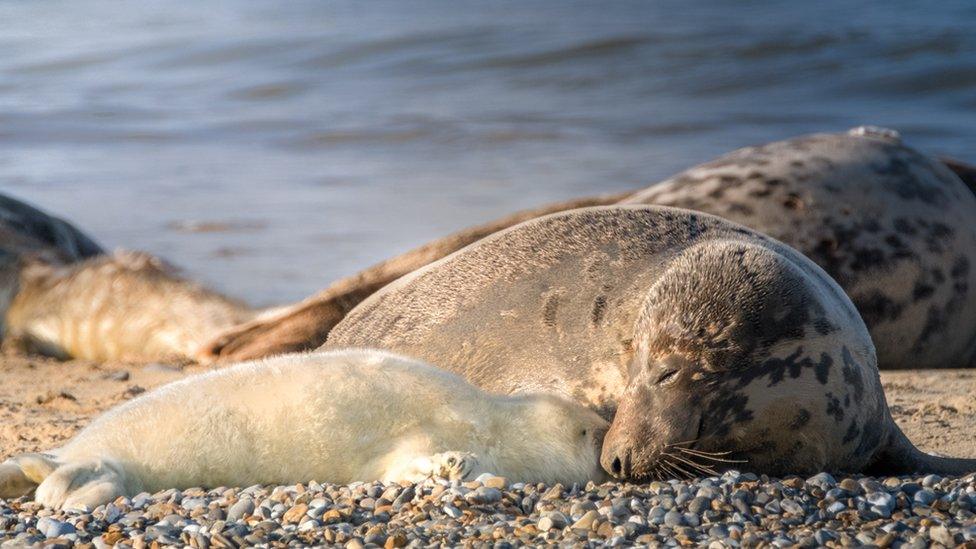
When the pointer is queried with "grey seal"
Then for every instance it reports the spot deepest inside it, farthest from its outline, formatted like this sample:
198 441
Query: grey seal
698 337
890 224
62 295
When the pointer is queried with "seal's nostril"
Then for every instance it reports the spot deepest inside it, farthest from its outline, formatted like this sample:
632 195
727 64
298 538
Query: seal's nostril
616 467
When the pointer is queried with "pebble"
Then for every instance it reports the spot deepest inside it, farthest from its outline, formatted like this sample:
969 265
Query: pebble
731 510
241 509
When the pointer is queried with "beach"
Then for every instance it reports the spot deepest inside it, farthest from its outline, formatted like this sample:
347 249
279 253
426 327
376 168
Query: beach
43 402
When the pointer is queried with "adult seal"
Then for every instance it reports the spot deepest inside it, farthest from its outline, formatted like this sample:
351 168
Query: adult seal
62 295
890 224
698 337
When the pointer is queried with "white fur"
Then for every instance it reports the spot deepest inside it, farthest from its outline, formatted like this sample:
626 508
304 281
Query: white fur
341 416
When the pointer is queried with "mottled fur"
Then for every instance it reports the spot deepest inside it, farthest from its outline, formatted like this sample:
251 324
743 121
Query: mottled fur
747 329
891 225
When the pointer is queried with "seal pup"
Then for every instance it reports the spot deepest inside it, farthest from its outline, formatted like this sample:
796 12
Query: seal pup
343 416
890 224
61 295
704 341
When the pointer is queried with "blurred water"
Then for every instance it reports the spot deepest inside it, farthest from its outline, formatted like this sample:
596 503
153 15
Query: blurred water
323 136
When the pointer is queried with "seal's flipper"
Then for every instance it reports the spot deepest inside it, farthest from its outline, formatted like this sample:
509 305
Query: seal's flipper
902 457
966 172
82 484
20 475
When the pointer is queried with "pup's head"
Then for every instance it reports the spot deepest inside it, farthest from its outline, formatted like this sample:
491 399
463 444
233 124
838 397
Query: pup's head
569 437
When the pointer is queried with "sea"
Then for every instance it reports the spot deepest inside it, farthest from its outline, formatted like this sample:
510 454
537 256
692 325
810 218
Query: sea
268 148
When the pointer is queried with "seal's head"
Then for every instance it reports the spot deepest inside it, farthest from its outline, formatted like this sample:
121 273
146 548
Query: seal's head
559 436
746 356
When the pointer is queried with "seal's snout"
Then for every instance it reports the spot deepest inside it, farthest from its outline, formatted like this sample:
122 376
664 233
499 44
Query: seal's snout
616 463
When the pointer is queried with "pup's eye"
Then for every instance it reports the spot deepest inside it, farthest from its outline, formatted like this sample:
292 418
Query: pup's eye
666 376
584 432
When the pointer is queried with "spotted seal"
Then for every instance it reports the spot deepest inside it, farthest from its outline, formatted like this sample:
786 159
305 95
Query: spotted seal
890 224
697 336
62 295
369 415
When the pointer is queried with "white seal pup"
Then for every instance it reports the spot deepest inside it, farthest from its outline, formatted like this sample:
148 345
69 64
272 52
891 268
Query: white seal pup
343 416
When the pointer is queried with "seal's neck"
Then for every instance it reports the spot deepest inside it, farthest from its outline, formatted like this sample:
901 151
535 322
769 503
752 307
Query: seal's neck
902 457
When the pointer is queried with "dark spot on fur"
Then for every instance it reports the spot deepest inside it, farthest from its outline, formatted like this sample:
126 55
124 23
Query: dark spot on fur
852 374
801 418
922 291
833 408
899 178
823 326
549 311
778 368
741 209
876 308
730 180
599 307
867 258
904 226
870 437
852 432
960 268
823 368
793 202
725 410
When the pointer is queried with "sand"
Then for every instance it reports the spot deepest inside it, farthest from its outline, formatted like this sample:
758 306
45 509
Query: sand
43 401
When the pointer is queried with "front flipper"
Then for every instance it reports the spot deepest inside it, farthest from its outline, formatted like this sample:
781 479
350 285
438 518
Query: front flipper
21 474
449 465
82 484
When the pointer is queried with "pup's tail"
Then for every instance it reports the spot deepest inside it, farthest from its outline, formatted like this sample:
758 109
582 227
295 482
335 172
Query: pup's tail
20 475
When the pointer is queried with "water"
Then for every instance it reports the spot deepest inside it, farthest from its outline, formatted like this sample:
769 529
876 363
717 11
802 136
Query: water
323 136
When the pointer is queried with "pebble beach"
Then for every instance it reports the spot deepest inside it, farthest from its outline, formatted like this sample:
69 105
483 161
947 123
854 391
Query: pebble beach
44 402
734 510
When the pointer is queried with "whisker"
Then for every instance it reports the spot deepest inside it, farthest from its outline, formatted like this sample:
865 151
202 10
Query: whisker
701 467
673 444
667 468
680 468
712 457
705 453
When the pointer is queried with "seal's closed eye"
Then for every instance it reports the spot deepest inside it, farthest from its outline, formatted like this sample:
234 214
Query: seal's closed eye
666 376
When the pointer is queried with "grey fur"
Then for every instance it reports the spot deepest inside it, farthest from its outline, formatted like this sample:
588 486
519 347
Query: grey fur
892 226
595 303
